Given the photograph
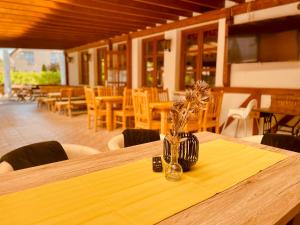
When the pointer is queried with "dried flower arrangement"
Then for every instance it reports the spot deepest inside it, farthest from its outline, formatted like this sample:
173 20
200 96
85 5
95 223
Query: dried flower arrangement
195 100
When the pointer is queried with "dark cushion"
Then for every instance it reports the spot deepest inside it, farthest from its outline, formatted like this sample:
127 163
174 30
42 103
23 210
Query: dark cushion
139 136
287 142
35 155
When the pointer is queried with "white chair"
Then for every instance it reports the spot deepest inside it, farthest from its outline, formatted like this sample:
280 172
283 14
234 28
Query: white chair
117 142
241 114
73 151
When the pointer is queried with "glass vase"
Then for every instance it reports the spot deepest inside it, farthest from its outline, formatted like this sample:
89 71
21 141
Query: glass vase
173 170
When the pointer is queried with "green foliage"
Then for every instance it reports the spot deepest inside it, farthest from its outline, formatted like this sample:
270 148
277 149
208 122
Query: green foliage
54 67
44 68
44 77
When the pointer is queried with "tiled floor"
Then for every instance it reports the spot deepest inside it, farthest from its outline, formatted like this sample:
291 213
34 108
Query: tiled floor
23 123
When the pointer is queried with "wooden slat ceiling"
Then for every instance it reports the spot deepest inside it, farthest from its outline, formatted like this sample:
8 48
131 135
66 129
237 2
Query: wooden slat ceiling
63 24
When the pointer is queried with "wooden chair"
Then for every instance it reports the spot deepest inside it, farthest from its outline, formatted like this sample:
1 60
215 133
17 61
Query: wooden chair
142 112
105 91
127 109
62 103
93 110
210 116
152 93
163 95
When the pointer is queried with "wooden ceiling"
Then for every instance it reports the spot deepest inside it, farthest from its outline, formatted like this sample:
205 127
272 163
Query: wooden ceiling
63 24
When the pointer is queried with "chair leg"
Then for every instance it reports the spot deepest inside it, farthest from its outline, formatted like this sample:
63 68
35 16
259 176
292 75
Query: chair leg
224 125
237 127
217 129
245 127
115 121
95 123
89 121
124 122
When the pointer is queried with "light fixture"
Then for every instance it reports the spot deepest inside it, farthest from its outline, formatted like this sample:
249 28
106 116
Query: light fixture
167 44
70 59
86 57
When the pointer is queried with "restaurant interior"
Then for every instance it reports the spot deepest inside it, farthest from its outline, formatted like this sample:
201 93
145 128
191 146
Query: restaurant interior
168 112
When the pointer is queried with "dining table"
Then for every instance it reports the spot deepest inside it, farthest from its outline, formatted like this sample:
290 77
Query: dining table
109 101
234 182
163 108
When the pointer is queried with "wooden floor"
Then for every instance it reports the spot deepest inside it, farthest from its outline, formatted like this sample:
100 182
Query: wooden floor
23 123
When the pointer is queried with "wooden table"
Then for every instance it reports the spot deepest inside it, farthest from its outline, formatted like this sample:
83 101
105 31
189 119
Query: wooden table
109 101
269 113
270 197
163 108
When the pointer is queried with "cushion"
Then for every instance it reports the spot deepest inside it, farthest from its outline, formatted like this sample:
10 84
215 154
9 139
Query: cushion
35 155
287 142
139 136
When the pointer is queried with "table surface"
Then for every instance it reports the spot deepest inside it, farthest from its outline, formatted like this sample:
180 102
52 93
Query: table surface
284 111
269 197
161 105
110 98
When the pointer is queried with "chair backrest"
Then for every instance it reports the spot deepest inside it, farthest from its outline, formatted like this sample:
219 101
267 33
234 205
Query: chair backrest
105 91
139 136
66 92
287 142
152 93
90 98
252 104
211 112
163 95
127 99
78 92
35 155
214 105
141 107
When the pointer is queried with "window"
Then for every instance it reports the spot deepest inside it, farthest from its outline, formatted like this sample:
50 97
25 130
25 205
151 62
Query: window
117 66
54 57
84 70
28 57
153 62
199 56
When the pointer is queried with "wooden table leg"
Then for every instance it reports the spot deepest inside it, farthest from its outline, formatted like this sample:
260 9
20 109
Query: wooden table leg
109 116
164 122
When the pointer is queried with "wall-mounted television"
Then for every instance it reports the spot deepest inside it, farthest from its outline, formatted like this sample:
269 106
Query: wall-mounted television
265 41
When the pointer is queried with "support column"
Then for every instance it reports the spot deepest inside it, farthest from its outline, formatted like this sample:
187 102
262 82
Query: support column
7 80
62 66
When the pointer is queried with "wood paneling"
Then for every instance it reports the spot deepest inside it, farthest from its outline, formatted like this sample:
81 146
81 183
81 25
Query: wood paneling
65 24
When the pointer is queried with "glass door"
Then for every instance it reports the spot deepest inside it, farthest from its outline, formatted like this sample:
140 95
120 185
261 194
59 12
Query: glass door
153 62
199 56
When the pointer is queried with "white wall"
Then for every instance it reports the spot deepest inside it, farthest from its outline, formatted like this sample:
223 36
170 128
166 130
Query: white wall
136 61
92 72
271 75
172 62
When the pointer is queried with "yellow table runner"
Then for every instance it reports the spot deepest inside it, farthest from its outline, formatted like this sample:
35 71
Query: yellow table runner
132 193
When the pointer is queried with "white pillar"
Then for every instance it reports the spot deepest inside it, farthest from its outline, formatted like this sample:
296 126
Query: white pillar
7 81
62 66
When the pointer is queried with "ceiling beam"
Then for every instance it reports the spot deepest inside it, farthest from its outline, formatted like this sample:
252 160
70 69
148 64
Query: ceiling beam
17 22
213 4
178 4
63 19
94 4
76 12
